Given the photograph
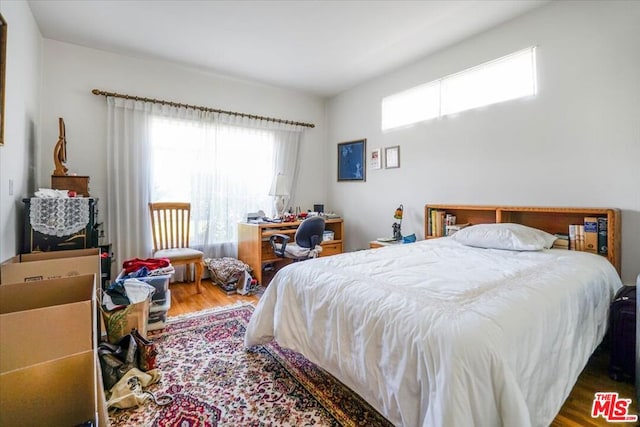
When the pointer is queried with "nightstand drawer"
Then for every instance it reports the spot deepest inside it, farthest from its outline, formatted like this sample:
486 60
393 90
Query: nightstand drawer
331 249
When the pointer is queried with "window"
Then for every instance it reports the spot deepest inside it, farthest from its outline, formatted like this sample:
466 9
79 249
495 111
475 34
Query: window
510 77
411 106
224 171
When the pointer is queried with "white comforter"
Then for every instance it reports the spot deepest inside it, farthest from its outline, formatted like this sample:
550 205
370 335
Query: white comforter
439 334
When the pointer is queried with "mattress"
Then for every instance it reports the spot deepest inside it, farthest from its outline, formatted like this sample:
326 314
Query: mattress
435 333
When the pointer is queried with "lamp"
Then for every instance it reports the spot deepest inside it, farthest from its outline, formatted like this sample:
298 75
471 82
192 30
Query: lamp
397 232
279 190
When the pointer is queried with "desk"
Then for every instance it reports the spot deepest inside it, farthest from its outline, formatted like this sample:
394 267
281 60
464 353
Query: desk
254 248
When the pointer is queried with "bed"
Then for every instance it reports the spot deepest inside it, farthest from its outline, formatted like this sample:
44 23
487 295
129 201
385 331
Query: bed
439 333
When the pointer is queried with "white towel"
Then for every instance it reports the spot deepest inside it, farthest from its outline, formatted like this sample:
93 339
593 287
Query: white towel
137 290
50 193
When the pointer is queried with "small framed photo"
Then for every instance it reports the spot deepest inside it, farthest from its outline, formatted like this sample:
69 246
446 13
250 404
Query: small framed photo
392 157
352 160
375 161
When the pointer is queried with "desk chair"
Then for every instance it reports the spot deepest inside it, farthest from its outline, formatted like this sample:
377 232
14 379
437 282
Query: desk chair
307 241
170 228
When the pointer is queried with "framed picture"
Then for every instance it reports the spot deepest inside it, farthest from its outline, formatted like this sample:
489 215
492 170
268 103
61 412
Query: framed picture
3 71
375 162
392 157
351 160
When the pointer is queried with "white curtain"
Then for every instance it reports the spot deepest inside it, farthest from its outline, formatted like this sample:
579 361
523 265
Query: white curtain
128 186
222 164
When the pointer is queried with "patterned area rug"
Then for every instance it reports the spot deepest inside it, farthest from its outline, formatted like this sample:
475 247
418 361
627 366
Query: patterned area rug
216 382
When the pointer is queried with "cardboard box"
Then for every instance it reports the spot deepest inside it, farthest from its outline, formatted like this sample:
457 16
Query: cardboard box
49 370
46 320
50 265
59 392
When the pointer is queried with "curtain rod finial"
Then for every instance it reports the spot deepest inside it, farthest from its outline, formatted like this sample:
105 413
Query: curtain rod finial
95 92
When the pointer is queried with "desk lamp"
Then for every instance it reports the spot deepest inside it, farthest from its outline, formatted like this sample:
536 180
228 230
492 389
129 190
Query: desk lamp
279 190
397 232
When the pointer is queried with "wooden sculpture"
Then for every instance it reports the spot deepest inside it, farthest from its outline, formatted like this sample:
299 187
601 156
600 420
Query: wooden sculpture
60 152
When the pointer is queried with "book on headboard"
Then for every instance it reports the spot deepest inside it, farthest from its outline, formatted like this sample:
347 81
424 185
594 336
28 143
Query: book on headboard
602 235
591 234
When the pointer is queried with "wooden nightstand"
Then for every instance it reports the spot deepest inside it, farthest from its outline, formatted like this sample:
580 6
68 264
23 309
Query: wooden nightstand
374 244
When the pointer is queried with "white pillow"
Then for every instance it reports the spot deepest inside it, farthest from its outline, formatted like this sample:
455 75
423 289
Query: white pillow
509 236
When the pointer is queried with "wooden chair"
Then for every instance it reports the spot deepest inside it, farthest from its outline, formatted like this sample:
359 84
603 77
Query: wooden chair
170 228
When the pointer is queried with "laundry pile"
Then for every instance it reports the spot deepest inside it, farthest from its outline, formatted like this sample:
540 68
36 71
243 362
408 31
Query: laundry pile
228 273
128 288
127 368
128 358
142 286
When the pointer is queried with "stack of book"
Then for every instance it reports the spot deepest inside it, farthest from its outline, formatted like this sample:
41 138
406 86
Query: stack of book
440 223
590 236
562 241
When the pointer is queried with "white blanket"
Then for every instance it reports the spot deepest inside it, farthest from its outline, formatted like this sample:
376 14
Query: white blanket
435 333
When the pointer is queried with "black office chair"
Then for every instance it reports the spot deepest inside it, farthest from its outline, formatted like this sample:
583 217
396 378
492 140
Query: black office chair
307 241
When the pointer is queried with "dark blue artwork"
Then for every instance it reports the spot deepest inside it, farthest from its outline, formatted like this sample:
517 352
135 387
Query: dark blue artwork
351 160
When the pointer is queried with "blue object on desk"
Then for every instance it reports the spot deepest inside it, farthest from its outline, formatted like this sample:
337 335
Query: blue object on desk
409 239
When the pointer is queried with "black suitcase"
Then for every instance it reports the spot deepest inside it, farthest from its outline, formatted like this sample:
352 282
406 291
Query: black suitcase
622 335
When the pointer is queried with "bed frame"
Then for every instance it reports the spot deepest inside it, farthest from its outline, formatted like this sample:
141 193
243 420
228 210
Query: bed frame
550 219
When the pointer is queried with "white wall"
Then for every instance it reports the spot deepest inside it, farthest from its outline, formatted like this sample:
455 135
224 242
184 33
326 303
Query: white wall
576 144
71 72
22 97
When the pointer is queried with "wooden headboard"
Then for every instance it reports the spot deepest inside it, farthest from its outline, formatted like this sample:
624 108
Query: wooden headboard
550 219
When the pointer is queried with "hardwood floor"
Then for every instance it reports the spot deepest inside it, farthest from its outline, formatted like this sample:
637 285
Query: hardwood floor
576 411
184 298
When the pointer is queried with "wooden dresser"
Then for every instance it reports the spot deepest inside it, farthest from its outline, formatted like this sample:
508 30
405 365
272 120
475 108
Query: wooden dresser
254 248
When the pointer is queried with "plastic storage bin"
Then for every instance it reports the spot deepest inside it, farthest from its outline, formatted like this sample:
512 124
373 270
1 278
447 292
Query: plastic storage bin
158 313
327 235
160 283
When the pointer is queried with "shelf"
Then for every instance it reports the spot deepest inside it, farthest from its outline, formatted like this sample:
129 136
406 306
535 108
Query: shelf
550 219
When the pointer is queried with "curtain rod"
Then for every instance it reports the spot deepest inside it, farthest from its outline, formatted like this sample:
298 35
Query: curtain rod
197 107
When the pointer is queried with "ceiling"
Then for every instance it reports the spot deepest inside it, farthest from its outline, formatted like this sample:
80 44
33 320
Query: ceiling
320 47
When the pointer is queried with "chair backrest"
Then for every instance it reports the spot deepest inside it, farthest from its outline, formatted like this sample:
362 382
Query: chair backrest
309 232
170 225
